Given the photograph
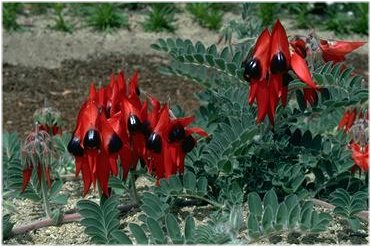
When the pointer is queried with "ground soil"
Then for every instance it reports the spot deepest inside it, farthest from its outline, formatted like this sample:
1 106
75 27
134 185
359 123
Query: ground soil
40 64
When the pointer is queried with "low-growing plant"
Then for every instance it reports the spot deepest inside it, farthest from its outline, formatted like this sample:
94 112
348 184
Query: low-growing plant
282 126
60 23
161 17
106 16
10 11
206 14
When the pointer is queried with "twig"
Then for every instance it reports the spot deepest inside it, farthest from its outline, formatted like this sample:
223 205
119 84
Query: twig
67 218
72 216
363 215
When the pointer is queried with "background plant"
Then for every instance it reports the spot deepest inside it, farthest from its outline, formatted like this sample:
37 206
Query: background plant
60 23
160 17
206 14
10 11
106 16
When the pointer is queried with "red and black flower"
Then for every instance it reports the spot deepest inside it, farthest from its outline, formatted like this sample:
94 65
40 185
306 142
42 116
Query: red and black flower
113 124
271 60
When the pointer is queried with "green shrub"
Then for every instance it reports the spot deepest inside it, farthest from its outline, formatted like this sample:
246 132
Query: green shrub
160 18
106 16
10 16
206 14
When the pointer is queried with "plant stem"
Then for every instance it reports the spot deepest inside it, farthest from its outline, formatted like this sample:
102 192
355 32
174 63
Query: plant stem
214 203
44 191
134 188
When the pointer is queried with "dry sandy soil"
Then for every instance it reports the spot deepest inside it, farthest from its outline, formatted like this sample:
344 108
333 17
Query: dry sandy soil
40 64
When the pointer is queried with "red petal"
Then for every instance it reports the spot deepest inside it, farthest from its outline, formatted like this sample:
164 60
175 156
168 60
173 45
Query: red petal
262 98
121 83
26 177
197 131
279 42
252 92
336 50
310 95
299 66
261 51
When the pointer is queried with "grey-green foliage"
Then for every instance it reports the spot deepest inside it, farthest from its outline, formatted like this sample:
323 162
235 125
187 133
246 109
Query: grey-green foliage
64 161
268 216
205 65
348 206
101 221
7 226
189 186
12 168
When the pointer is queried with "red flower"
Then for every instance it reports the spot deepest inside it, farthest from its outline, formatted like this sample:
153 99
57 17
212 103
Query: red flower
35 150
270 63
337 50
360 156
169 142
347 120
113 123
310 96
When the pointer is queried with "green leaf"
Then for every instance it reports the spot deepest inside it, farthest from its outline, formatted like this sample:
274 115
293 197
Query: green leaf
255 204
7 226
57 217
156 47
99 220
189 181
253 226
155 230
301 101
294 215
121 238
138 233
210 59
59 199
202 185
199 58
173 229
189 229
55 188
354 223
175 184
282 217
267 220
270 199
220 63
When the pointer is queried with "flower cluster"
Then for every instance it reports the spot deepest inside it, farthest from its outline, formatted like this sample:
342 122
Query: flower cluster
114 124
274 55
36 153
37 147
267 71
357 128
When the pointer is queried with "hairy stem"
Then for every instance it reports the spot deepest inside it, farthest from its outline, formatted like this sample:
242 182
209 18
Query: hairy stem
214 203
134 188
44 191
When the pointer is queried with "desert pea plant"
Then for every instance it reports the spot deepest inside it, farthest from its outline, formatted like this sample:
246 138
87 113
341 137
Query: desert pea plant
281 129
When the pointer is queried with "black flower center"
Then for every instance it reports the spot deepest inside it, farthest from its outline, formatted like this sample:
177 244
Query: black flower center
134 124
92 139
177 133
278 63
114 144
74 147
188 144
252 69
154 142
